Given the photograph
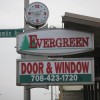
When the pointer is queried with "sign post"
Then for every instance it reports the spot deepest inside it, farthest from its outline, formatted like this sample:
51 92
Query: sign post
26 91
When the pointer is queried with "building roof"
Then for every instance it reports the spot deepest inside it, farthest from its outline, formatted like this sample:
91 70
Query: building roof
83 23
81 19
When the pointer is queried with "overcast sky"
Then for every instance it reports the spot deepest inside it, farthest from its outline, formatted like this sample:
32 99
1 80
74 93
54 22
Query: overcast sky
11 17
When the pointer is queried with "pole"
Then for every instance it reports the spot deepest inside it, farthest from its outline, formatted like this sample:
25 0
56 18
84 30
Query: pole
26 93
51 92
55 93
61 93
26 90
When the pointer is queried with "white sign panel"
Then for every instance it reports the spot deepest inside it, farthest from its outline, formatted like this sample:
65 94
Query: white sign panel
55 72
55 42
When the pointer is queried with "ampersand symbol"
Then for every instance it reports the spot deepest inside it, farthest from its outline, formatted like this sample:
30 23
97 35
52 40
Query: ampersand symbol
49 68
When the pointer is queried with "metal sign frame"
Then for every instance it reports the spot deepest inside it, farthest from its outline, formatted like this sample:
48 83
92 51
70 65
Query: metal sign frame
65 42
91 64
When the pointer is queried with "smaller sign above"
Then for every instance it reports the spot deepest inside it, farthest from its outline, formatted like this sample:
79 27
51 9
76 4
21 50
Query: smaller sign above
55 72
8 33
55 42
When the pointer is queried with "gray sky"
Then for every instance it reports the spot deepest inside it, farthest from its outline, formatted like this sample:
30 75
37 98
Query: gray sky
12 16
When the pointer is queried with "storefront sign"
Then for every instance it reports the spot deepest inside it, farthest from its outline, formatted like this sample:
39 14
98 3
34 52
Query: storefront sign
55 72
54 42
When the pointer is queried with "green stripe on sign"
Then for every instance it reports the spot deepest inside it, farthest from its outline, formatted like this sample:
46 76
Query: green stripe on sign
62 78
